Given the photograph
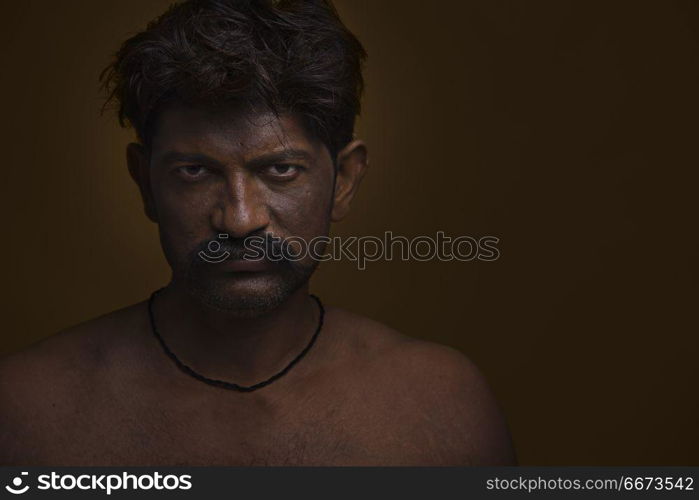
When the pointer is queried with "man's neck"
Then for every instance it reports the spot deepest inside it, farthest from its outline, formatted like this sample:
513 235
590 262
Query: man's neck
221 345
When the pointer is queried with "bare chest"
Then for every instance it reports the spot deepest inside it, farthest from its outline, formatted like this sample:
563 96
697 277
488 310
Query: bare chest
326 431
197 440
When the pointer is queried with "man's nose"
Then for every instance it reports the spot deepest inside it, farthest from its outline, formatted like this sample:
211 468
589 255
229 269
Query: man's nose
242 210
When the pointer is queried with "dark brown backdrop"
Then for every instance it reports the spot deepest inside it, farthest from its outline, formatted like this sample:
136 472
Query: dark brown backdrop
567 129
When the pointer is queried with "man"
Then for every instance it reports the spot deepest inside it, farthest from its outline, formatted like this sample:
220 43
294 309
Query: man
244 112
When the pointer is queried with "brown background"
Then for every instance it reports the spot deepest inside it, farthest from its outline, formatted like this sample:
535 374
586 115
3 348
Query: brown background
567 129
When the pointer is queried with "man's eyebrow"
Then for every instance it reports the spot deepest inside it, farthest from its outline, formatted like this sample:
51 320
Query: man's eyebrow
279 157
177 156
258 161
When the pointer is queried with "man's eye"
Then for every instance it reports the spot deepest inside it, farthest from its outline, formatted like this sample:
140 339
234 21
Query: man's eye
192 172
283 171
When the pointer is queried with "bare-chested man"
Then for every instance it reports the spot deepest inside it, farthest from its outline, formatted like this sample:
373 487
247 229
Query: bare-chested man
244 112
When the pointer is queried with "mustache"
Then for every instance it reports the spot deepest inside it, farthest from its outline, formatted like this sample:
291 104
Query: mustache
222 247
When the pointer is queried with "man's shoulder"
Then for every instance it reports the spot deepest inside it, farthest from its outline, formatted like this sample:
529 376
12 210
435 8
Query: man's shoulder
43 385
455 412
436 391
388 349
72 350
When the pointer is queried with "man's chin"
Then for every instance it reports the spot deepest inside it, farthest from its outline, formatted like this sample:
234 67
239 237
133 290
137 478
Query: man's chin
247 297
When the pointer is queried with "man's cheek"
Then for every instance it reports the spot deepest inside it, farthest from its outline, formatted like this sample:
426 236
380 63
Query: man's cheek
306 214
181 239
185 215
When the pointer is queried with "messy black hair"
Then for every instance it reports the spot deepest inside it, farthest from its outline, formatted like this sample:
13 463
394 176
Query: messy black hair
287 56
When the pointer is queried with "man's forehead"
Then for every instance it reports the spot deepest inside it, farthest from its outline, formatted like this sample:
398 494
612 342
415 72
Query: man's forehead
229 131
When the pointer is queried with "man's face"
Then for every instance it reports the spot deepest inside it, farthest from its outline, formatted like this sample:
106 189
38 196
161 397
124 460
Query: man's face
220 171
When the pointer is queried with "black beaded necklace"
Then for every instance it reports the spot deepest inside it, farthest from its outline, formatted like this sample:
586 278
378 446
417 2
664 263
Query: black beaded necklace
221 383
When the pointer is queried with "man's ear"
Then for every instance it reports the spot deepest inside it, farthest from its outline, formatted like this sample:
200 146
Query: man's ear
352 164
137 159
